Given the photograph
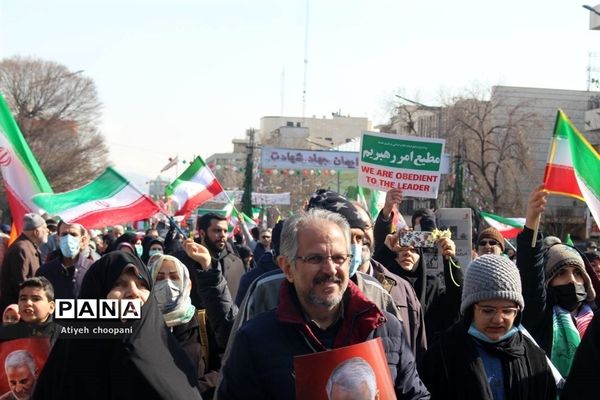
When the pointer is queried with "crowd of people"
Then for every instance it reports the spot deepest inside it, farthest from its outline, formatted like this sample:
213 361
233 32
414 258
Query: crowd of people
224 316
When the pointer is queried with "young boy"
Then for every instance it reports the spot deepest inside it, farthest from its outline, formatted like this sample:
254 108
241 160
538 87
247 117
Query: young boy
36 305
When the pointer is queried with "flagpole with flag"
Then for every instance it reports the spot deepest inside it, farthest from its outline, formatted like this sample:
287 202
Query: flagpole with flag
573 166
509 228
21 172
172 162
195 186
109 199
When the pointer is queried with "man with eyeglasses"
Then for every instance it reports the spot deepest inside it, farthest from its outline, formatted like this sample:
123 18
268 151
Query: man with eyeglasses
319 309
485 355
264 244
490 241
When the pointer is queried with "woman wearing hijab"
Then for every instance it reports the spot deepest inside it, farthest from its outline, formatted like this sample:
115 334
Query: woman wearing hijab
147 364
485 356
439 294
151 247
172 288
130 241
558 291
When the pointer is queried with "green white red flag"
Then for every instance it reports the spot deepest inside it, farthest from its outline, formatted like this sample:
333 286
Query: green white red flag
195 186
508 227
573 168
21 173
108 200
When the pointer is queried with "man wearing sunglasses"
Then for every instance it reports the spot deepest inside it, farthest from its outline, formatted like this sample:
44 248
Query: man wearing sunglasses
490 241
319 309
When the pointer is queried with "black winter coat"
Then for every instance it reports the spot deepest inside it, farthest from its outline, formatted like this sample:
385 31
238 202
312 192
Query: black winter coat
452 369
441 299
537 314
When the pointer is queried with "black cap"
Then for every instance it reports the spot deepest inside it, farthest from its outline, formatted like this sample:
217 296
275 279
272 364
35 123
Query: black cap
334 202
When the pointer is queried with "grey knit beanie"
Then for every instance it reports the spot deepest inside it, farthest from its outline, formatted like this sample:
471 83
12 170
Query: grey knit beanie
559 256
491 277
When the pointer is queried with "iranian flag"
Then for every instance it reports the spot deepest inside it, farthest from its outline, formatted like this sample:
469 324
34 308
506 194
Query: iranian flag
21 173
108 200
194 186
573 168
508 227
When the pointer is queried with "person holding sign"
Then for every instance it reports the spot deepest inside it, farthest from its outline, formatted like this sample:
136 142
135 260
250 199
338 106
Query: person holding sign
439 294
319 309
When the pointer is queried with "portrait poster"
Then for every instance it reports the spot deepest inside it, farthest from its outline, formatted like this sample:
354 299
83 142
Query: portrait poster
320 376
24 353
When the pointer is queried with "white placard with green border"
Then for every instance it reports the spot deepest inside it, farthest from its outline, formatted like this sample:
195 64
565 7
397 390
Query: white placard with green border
409 163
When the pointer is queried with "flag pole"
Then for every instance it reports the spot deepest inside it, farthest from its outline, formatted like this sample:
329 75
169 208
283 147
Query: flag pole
174 223
536 224
510 244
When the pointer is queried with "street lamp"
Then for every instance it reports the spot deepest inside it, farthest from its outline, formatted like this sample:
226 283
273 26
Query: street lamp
592 9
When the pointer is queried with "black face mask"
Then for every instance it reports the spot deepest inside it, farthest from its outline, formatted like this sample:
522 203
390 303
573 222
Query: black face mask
568 296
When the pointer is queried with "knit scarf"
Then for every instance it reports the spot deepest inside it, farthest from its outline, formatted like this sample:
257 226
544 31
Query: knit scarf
567 335
525 370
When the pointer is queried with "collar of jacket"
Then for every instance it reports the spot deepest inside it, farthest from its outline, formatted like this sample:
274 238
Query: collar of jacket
361 316
23 236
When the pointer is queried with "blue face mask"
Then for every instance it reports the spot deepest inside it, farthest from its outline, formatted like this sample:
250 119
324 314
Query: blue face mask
69 245
356 258
484 338
154 251
139 249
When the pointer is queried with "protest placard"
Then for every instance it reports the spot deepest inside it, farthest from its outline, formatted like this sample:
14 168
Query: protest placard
409 163
22 361
319 375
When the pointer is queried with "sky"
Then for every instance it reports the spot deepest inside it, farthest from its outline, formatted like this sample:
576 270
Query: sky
185 77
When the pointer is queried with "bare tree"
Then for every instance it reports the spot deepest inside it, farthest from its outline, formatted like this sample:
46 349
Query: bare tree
58 112
491 139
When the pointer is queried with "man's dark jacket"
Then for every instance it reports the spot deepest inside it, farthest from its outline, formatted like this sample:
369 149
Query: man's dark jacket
22 260
261 362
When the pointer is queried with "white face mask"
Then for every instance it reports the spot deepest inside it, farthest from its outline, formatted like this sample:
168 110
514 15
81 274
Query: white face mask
166 293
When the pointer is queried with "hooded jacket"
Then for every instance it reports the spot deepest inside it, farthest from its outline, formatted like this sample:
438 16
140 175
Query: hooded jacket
261 361
146 364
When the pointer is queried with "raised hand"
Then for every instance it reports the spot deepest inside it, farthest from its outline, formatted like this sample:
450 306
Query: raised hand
198 253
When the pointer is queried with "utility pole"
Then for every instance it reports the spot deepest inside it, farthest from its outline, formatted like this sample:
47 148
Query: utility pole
247 196
457 194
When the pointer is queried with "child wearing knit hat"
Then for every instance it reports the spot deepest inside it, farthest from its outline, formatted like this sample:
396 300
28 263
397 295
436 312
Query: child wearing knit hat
485 355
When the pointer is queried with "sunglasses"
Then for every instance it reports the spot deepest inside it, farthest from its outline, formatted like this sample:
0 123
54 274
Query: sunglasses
491 242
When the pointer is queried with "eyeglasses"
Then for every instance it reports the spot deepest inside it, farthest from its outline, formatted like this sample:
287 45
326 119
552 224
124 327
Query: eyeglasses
266 237
490 312
319 259
491 242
